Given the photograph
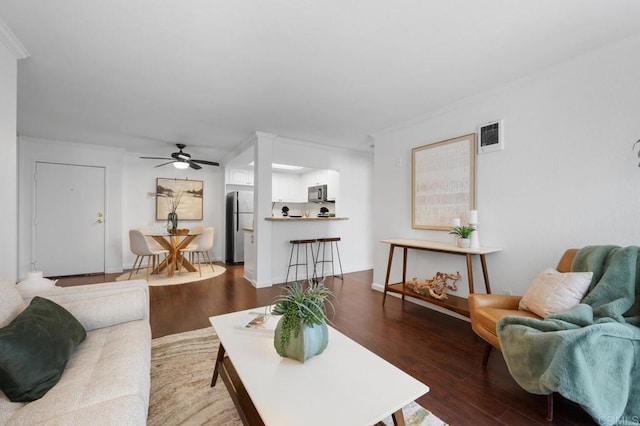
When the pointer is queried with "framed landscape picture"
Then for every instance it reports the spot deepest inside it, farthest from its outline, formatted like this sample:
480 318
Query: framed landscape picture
187 192
443 182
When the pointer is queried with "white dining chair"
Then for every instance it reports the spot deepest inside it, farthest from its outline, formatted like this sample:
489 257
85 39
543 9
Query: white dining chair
201 246
153 244
139 246
198 229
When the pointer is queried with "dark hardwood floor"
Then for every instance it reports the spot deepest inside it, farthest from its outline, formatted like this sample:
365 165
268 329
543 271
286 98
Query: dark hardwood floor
437 349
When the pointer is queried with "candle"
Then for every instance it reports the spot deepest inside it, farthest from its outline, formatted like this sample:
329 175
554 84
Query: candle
456 221
473 216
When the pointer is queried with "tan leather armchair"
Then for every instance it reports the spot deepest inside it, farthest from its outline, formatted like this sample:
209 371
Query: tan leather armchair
487 309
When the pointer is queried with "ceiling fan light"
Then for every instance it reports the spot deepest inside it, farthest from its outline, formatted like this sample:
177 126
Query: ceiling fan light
181 165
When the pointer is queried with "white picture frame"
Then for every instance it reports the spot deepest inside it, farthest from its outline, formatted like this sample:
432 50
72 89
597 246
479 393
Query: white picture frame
491 137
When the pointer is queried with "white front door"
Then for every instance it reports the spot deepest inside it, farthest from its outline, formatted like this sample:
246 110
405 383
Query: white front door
69 221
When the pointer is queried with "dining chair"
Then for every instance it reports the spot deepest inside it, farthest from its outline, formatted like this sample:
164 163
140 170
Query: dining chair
139 246
201 246
147 231
198 229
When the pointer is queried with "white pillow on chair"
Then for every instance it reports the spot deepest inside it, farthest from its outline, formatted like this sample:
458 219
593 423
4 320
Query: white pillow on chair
552 292
11 303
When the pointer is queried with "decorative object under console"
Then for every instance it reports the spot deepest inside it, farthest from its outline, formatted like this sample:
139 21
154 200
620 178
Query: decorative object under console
437 286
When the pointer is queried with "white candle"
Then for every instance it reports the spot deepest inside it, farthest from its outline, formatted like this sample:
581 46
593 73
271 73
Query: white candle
473 216
456 221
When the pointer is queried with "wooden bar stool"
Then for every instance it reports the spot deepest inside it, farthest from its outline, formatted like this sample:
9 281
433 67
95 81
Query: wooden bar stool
322 242
295 246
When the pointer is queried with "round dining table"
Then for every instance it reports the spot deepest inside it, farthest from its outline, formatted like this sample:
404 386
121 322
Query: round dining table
175 259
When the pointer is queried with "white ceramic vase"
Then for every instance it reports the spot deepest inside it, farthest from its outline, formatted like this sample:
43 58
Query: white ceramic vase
464 242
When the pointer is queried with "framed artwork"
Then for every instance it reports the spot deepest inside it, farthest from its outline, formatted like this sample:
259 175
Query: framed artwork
184 193
443 179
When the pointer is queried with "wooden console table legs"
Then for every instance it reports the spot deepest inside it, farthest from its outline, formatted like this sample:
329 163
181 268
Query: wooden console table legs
485 272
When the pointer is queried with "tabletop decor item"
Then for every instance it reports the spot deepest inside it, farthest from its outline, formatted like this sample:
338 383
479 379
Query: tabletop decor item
173 201
302 331
463 233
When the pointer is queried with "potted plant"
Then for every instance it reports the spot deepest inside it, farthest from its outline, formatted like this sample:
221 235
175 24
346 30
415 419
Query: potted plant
302 331
463 233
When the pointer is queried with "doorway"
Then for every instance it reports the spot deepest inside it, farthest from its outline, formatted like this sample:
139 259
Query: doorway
69 229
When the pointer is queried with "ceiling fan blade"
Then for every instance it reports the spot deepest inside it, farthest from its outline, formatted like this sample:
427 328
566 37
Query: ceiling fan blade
209 163
194 165
156 158
164 164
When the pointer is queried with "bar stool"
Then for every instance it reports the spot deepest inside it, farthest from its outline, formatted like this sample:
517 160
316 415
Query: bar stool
322 249
295 246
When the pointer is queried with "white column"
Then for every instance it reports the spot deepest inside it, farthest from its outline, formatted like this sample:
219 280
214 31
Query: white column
263 155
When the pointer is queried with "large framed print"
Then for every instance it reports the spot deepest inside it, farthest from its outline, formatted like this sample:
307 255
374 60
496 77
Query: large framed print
185 192
443 182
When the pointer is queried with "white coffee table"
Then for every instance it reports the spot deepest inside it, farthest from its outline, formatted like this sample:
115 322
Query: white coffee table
345 385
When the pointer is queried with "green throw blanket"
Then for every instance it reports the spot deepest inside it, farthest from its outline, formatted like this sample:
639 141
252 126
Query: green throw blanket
591 353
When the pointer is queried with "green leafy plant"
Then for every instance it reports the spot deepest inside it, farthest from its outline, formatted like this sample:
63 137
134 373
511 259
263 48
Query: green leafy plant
300 307
462 231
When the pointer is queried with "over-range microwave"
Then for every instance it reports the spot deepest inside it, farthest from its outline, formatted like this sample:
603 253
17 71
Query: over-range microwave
318 194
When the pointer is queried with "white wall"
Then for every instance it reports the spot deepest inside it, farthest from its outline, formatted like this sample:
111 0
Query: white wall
567 177
8 164
129 179
139 209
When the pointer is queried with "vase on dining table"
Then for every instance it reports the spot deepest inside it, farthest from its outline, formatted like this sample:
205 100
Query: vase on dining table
172 221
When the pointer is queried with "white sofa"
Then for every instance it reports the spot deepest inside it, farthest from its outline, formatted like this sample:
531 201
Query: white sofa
107 378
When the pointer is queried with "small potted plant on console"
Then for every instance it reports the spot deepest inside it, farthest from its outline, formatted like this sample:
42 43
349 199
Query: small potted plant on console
463 232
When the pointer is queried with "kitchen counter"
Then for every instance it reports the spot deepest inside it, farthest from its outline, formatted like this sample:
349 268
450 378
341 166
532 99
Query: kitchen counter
294 219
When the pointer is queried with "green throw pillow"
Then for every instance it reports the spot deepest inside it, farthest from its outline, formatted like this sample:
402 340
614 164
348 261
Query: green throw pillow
35 348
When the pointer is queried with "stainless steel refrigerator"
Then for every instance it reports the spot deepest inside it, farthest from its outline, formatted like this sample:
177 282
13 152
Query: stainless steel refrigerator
239 215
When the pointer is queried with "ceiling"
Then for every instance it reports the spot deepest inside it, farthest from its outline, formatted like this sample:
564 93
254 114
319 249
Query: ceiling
146 74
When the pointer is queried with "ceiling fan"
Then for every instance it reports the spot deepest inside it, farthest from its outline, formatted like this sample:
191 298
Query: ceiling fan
182 160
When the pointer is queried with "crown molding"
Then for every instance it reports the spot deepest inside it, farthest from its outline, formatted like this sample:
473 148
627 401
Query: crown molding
11 41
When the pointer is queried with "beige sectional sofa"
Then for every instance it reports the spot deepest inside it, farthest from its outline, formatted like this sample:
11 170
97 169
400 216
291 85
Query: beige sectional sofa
106 381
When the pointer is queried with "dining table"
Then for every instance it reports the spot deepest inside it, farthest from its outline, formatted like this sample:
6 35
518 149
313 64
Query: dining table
174 243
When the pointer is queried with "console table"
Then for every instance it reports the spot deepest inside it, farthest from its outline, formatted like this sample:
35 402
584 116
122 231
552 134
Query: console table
454 303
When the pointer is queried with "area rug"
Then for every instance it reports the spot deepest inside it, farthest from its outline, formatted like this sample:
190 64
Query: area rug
181 392
182 278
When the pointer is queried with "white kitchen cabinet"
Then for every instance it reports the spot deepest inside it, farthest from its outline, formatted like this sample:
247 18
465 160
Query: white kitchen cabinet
249 256
333 184
286 187
240 177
